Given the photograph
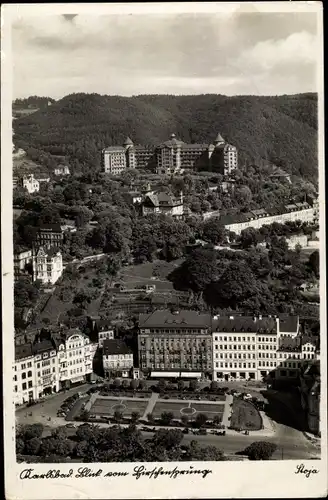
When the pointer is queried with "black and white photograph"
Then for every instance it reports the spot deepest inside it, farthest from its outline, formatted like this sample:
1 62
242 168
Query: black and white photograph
163 252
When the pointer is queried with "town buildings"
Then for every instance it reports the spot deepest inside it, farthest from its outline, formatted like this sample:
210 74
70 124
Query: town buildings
49 235
163 203
61 170
47 363
172 157
117 358
303 212
47 265
310 394
30 183
175 344
22 259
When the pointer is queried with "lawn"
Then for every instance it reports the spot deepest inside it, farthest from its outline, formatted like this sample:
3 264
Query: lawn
107 407
190 409
245 416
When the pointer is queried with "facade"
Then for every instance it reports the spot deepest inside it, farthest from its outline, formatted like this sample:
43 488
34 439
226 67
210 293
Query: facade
175 344
292 354
47 265
61 170
247 348
310 394
31 184
105 333
35 371
163 203
75 358
117 358
21 260
258 218
172 157
49 235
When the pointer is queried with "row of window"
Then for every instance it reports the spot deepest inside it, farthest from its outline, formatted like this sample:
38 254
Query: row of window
234 347
235 365
117 356
29 385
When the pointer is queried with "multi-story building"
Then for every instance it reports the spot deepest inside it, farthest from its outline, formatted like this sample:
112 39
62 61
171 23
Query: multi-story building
245 348
35 370
292 354
62 170
75 357
47 265
175 344
310 394
260 217
49 235
171 157
117 358
163 203
21 260
30 183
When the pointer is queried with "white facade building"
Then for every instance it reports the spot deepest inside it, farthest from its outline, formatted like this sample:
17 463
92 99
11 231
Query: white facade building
31 184
62 170
35 371
245 348
117 358
47 265
163 203
75 354
105 334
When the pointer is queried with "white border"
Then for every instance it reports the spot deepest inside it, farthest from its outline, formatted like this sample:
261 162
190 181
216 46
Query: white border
229 479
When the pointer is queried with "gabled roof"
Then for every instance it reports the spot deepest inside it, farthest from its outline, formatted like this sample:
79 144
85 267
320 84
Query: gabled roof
241 324
23 351
128 142
219 138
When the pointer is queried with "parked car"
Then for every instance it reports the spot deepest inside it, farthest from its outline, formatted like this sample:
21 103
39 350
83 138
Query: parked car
70 426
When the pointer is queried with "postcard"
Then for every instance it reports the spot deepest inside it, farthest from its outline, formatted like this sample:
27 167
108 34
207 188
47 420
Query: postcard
163 250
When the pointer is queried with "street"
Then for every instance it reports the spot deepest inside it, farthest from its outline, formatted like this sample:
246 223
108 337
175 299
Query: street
291 442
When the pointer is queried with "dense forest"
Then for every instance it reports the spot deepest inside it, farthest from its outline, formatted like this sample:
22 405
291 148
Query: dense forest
281 130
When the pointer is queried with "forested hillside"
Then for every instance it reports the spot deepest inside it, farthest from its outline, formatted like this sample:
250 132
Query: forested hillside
281 130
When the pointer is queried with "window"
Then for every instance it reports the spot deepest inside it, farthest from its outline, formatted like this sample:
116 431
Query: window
15 378
30 384
23 375
24 386
15 388
29 364
38 365
23 366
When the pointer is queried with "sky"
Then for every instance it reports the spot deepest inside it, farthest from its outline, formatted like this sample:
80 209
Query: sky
223 53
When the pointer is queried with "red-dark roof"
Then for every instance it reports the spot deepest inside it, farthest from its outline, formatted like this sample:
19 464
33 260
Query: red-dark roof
115 346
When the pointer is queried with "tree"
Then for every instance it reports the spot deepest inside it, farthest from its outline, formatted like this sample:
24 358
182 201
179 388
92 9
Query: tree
260 450
168 438
214 231
85 415
32 431
118 416
214 386
135 416
20 445
197 271
150 418
117 383
87 432
249 237
185 420
181 385
32 446
134 384
193 385
201 419
314 263
162 384
166 417
217 419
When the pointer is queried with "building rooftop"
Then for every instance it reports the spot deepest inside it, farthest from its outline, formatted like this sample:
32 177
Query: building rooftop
55 228
289 324
113 149
240 324
43 346
115 346
164 318
23 351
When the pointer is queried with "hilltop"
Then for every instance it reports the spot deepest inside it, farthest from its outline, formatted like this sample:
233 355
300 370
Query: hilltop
280 130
